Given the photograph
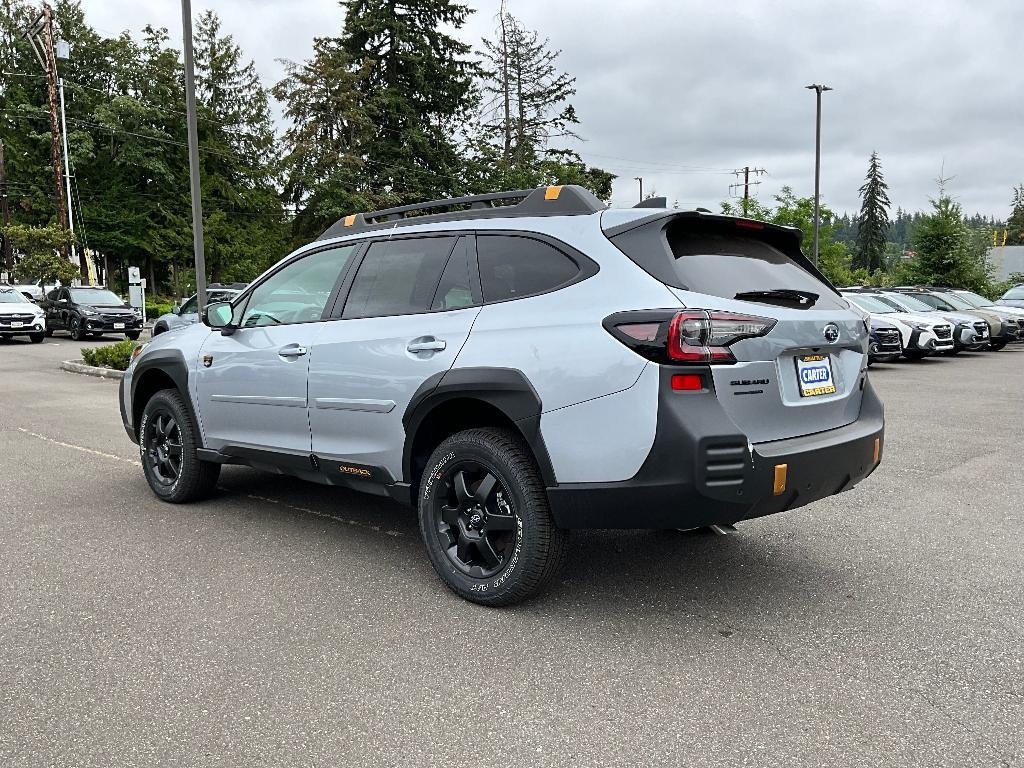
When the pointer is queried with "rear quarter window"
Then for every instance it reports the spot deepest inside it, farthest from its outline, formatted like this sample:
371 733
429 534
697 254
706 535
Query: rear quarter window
513 267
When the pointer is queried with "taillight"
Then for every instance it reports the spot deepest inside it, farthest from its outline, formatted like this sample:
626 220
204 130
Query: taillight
699 336
703 336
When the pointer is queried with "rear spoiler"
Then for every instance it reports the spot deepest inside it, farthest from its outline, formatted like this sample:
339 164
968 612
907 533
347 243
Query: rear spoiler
647 236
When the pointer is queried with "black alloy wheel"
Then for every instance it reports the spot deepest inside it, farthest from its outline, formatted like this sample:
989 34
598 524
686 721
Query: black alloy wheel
76 330
162 443
477 525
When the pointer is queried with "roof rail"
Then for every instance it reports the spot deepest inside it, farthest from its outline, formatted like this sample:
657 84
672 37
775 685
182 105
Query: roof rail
567 200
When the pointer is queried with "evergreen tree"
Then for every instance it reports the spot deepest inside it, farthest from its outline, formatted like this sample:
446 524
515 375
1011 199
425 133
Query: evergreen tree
243 220
415 85
1015 224
873 221
524 108
323 164
947 253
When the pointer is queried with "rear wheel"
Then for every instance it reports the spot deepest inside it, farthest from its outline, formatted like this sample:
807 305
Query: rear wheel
168 440
485 519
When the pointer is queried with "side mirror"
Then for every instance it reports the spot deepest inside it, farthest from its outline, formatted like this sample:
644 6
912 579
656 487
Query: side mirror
218 315
176 310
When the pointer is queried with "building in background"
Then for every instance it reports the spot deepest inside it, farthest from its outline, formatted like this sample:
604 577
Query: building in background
1005 260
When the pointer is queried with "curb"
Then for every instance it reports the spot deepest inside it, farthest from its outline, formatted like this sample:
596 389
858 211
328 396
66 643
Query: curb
77 366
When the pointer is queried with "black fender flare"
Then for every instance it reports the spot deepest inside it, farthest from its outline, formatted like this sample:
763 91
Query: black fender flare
506 389
172 363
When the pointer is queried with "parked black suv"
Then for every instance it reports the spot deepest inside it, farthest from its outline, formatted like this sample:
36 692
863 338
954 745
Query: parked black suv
86 312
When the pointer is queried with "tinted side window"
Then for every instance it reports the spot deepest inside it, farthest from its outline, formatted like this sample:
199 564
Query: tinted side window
512 267
455 291
296 293
398 277
191 306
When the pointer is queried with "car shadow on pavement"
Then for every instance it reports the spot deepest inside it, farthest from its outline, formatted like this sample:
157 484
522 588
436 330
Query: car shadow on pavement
667 571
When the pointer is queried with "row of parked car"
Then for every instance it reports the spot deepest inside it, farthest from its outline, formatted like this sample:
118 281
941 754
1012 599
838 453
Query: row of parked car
84 311
915 321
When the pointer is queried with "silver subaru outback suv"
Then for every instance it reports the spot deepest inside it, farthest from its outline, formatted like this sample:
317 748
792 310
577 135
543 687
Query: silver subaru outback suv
519 364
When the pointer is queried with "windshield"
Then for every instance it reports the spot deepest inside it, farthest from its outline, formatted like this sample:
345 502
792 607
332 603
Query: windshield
956 301
932 301
906 303
11 296
1017 294
871 304
974 299
96 297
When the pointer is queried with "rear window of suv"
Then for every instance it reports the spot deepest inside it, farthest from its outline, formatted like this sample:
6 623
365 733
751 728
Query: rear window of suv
727 264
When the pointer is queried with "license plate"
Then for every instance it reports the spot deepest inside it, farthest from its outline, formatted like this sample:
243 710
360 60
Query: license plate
118 326
814 372
16 324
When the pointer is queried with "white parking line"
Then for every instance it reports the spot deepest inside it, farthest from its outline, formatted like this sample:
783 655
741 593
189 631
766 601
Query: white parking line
81 448
305 510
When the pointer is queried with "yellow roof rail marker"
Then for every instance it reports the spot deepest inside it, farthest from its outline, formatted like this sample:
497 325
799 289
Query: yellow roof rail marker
350 220
552 193
780 479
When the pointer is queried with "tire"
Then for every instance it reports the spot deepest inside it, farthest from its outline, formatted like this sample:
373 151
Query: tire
166 424
157 330
914 355
996 346
48 332
134 335
495 546
37 338
77 334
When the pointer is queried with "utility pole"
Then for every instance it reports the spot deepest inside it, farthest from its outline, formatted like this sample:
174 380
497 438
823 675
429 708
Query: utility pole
641 180
40 34
193 152
747 184
817 165
6 262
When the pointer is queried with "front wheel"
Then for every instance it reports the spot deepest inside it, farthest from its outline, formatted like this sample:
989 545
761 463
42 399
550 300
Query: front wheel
168 440
36 338
134 336
914 355
997 345
485 520
76 331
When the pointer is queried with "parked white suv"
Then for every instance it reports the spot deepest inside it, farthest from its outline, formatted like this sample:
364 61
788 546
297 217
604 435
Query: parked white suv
522 363
921 335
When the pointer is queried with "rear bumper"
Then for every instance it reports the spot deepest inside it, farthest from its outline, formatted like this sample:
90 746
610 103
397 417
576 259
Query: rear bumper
701 473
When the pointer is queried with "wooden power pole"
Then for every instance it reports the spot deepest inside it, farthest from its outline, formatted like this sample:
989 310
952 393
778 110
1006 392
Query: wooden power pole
43 28
6 262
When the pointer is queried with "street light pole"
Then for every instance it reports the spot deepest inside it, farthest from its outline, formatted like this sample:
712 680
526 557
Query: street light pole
817 165
193 152
641 180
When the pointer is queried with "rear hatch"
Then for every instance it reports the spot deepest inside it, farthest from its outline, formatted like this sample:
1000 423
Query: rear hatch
806 374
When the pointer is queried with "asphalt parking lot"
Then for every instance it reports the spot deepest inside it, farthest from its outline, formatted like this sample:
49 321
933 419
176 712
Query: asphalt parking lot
288 624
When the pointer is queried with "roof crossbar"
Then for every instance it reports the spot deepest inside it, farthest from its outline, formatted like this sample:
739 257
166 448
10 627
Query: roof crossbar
565 200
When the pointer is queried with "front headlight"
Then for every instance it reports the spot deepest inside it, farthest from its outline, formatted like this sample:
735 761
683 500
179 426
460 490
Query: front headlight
920 327
89 312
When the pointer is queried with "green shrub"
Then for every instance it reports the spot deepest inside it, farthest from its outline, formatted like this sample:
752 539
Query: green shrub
154 310
116 356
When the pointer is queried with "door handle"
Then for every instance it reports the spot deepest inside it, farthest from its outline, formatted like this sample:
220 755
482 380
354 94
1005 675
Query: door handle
291 351
427 345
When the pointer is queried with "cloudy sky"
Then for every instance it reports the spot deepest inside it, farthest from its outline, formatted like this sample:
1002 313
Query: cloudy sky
681 92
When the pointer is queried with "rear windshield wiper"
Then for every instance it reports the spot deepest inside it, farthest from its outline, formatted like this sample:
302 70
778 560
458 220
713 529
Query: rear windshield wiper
803 299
